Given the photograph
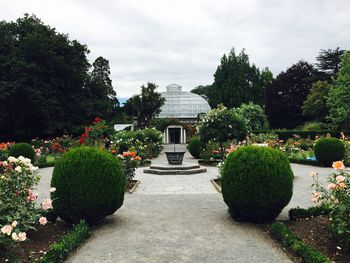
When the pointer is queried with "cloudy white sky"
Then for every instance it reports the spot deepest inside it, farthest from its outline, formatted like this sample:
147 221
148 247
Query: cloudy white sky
182 41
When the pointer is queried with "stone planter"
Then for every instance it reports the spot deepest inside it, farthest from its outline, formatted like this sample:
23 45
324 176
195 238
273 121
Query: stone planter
175 157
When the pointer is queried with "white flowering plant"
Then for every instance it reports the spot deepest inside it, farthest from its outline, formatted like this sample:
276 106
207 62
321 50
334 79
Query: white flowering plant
18 213
336 197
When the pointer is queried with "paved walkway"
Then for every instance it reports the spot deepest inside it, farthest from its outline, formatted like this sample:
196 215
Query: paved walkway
182 218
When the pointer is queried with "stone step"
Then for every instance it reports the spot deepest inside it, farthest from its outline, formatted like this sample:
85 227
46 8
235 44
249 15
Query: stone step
175 167
175 172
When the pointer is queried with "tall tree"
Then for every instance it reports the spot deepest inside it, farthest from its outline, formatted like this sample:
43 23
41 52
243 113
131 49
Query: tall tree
101 98
338 100
329 62
236 81
146 105
315 105
285 95
203 91
42 74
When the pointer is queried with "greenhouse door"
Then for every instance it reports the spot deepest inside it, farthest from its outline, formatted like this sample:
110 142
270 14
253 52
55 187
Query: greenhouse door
174 135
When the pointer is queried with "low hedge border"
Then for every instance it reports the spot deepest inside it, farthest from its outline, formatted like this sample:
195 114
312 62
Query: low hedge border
290 240
60 250
44 165
298 212
286 134
305 161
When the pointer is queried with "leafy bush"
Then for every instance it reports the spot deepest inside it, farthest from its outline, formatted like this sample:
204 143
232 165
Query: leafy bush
195 147
257 183
89 183
22 149
312 126
263 137
336 199
286 134
18 212
59 251
329 150
222 125
254 115
290 240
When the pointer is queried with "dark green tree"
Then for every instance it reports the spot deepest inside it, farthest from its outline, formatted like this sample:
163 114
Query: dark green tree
202 91
315 105
254 116
146 105
100 97
286 94
329 62
237 81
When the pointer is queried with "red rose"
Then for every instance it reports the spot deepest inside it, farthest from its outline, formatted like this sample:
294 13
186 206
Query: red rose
81 141
97 120
84 135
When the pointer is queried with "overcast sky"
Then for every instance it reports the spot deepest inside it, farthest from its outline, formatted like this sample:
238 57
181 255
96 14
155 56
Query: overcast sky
182 41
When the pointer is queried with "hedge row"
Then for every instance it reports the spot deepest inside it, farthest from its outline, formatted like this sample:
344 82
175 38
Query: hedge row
286 134
289 239
60 250
304 161
298 212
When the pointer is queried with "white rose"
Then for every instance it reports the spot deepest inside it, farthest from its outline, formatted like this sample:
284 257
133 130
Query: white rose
12 159
18 169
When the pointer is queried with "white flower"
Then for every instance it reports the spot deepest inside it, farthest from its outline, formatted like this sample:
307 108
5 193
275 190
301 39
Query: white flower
18 169
14 223
22 236
52 189
12 159
14 236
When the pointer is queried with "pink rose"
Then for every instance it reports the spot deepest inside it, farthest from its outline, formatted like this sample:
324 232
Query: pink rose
47 204
315 196
7 229
43 220
31 196
331 186
340 178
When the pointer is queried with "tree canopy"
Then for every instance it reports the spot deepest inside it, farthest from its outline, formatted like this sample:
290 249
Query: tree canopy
338 100
286 94
145 106
45 83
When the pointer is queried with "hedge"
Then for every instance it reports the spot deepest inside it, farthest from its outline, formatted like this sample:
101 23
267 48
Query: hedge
298 212
290 240
305 161
286 134
60 250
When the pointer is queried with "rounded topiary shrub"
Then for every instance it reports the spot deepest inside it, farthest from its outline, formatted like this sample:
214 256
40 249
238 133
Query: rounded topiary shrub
22 149
257 183
194 147
329 150
90 184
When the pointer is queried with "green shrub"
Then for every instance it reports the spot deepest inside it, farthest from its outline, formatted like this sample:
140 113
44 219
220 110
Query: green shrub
290 240
312 126
59 251
89 183
23 149
257 183
329 150
195 147
296 213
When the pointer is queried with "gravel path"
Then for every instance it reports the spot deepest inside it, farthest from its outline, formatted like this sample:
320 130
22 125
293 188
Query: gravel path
182 218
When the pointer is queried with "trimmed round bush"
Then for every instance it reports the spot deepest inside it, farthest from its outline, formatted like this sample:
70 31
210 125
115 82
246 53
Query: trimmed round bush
90 185
22 149
257 183
194 147
329 150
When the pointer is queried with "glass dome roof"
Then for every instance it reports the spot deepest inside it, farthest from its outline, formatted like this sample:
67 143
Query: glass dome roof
181 104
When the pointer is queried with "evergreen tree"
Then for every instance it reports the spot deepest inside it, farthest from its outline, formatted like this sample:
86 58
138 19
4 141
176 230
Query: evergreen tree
329 62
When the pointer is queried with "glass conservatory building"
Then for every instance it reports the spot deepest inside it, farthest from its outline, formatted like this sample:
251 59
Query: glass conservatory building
184 106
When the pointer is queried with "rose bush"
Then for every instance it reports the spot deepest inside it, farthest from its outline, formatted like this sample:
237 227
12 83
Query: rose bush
130 161
336 197
18 212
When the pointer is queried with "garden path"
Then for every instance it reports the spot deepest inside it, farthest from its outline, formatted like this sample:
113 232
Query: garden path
156 224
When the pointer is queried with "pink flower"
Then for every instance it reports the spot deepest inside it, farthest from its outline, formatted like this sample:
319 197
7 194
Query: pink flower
47 204
331 186
7 229
43 220
340 178
315 196
31 196
341 185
